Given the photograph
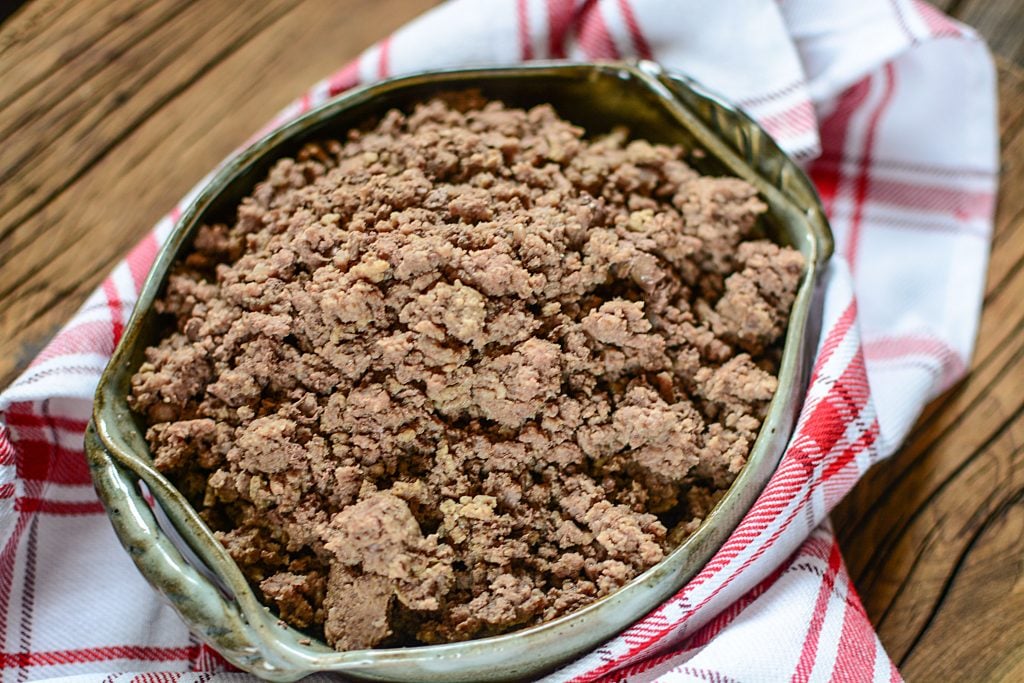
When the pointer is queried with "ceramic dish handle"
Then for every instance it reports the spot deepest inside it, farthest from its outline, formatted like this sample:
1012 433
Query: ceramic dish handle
160 562
737 130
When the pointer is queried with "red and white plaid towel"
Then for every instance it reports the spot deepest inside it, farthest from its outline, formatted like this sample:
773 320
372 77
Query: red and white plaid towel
892 107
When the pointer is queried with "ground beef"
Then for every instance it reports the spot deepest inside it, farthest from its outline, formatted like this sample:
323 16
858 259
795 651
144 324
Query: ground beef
466 371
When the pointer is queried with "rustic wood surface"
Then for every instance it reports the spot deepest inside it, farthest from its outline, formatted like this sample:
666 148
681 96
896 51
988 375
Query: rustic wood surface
110 111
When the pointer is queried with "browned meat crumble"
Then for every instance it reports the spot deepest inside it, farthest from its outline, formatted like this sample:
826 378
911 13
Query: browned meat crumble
466 371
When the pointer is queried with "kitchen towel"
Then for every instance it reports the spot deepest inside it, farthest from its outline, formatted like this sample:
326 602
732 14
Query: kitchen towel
890 106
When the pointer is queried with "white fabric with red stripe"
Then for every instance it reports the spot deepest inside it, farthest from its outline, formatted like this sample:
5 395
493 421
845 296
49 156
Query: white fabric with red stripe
892 107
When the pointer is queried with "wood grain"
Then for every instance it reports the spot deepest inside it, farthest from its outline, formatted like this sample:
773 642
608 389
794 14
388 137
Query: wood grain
110 111
999 21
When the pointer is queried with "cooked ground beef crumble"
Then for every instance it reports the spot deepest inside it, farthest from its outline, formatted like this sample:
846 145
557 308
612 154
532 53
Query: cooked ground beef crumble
466 371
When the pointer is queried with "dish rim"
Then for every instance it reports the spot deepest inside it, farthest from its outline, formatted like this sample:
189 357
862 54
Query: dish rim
108 454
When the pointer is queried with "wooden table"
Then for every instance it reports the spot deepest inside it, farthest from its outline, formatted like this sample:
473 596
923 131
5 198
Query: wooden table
110 111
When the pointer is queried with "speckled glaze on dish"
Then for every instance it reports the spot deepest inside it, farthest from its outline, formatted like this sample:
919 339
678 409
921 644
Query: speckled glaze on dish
178 554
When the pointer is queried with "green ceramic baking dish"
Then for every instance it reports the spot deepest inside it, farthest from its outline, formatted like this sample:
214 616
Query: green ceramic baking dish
183 561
